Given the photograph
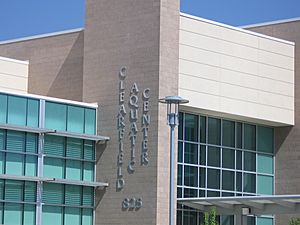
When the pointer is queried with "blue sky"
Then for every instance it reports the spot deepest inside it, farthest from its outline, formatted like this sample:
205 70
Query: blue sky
19 18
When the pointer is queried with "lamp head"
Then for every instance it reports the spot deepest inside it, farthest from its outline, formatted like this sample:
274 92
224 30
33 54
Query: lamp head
172 108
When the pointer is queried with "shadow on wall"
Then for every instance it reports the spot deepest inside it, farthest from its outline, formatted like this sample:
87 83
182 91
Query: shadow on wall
69 80
280 136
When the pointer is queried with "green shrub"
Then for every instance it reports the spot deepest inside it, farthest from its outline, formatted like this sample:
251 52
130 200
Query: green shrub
294 221
210 218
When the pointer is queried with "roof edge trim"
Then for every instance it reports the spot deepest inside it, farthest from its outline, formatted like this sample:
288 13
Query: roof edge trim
28 38
295 19
52 99
26 62
236 28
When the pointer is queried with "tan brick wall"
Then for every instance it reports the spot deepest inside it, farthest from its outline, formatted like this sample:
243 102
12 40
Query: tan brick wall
287 176
55 64
143 36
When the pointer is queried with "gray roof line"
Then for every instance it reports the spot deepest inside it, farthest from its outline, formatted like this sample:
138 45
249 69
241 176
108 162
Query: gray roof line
41 36
271 22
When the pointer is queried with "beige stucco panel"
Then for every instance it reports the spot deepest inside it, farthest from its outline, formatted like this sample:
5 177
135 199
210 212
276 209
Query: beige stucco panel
236 74
13 75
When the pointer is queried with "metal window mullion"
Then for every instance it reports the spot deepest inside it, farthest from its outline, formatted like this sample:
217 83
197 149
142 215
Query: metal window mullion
242 152
183 151
221 155
41 139
206 155
256 155
198 156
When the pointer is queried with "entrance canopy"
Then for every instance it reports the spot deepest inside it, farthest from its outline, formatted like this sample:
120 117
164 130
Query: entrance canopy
246 205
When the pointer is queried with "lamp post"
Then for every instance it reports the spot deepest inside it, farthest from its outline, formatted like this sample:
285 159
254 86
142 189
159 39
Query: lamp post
173 103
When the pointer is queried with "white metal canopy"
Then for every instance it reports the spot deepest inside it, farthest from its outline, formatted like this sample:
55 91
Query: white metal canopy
258 205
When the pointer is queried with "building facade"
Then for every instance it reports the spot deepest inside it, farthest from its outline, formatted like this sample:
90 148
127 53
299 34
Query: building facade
234 139
48 160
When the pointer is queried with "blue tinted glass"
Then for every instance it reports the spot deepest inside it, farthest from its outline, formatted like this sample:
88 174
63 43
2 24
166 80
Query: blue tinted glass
56 116
17 110
3 108
90 121
33 113
75 119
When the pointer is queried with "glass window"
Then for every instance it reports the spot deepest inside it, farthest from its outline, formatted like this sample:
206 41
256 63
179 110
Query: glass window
264 221
228 133
90 121
228 158
249 137
239 160
33 113
189 217
249 161
15 141
73 170
228 180
72 216
87 216
54 145
88 171
202 155
227 220
180 126
213 178
13 190
2 162
14 164
213 158
13 214
179 217
52 215
202 129
53 193
190 193
238 185
249 183
213 193
2 139
30 165
53 168
3 108
56 116
31 143
239 135
74 148
179 192
191 127
202 176
265 164
75 121
29 215
180 152
88 196
214 131
191 176
250 220
191 153
265 139
89 150
72 195
179 175
227 194
264 185
29 191
17 110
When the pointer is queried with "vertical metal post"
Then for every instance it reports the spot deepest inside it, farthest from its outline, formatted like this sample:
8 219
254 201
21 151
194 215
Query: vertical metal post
173 103
40 163
172 124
